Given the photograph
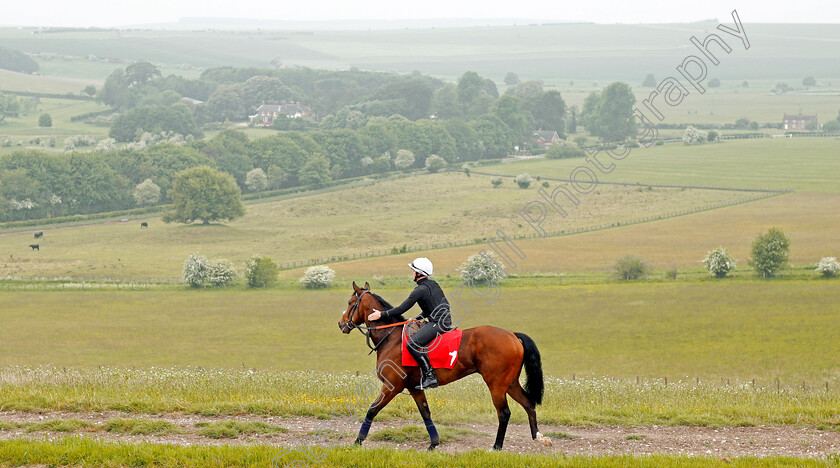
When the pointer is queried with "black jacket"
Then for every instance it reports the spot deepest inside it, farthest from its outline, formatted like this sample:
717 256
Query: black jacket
431 300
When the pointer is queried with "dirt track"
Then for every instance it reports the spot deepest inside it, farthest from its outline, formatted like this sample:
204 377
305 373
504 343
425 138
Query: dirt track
761 441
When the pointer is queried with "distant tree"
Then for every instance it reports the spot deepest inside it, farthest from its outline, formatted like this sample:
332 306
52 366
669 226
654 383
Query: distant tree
742 124
225 103
435 163
229 148
781 88
90 90
809 81
571 126
45 120
713 136
140 73
482 268
155 119
770 252
511 79
146 193
472 97
832 126
548 111
404 159
609 114
256 180
17 61
754 126
745 84
204 193
445 104
630 268
116 93
714 83
496 181
260 272
316 171
264 90
650 81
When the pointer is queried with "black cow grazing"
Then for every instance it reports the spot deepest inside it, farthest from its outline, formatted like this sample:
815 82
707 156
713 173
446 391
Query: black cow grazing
35 247
39 234
144 225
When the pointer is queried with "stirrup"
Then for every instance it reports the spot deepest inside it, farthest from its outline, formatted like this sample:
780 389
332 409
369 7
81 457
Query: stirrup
427 381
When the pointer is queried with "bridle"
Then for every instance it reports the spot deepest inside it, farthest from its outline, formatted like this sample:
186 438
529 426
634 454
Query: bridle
368 331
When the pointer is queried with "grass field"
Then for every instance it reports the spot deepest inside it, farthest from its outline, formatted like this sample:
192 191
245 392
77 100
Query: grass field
796 163
705 329
362 217
87 453
808 218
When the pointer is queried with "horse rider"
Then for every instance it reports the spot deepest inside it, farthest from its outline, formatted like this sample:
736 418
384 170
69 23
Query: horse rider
435 307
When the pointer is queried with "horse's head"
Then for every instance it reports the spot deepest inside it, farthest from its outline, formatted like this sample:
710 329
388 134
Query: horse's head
358 307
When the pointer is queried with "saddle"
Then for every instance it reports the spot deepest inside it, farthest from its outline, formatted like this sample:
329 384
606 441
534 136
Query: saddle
443 350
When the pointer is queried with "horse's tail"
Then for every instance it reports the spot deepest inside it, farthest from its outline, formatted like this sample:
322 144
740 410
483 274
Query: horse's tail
534 384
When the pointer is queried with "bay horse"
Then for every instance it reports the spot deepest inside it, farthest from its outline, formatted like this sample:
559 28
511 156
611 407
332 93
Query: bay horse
497 354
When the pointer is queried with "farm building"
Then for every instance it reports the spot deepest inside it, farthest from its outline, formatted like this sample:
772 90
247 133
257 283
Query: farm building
545 138
800 122
267 113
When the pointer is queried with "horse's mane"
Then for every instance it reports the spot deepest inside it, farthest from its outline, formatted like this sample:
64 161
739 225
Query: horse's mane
387 305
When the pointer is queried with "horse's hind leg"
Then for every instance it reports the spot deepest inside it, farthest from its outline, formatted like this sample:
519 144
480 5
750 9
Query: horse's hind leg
497 392
422 405
515 391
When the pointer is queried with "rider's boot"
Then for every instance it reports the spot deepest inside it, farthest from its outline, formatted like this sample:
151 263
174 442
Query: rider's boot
428 379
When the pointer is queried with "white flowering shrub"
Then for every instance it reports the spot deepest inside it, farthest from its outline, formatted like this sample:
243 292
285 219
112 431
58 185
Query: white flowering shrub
828 266
692 136
108 144
256 180
196 270
220 273
718 262
320 276
482 268
523 181
404 160
146 193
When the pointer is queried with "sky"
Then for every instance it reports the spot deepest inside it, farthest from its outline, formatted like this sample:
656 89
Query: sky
111 13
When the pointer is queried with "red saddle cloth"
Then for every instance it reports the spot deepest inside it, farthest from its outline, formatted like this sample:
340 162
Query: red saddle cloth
443 350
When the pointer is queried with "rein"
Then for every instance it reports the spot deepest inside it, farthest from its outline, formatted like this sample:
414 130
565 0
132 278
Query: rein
368 331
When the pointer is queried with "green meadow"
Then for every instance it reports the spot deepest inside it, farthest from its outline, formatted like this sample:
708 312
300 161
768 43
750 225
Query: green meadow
677 329
805 164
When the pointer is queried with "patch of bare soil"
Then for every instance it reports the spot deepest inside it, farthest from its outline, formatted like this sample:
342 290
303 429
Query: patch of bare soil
759 441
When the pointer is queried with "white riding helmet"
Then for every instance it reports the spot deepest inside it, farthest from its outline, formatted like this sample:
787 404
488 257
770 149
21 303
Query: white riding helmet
423 266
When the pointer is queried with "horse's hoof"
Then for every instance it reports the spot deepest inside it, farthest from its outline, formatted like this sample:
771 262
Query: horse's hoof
543 440
432 447
497 447
358 441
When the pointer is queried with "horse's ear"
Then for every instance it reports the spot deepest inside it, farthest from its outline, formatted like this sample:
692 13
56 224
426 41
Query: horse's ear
356 288
367 286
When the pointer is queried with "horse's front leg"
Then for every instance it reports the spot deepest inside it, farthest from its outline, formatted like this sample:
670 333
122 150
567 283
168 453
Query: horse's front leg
387 394
422 405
